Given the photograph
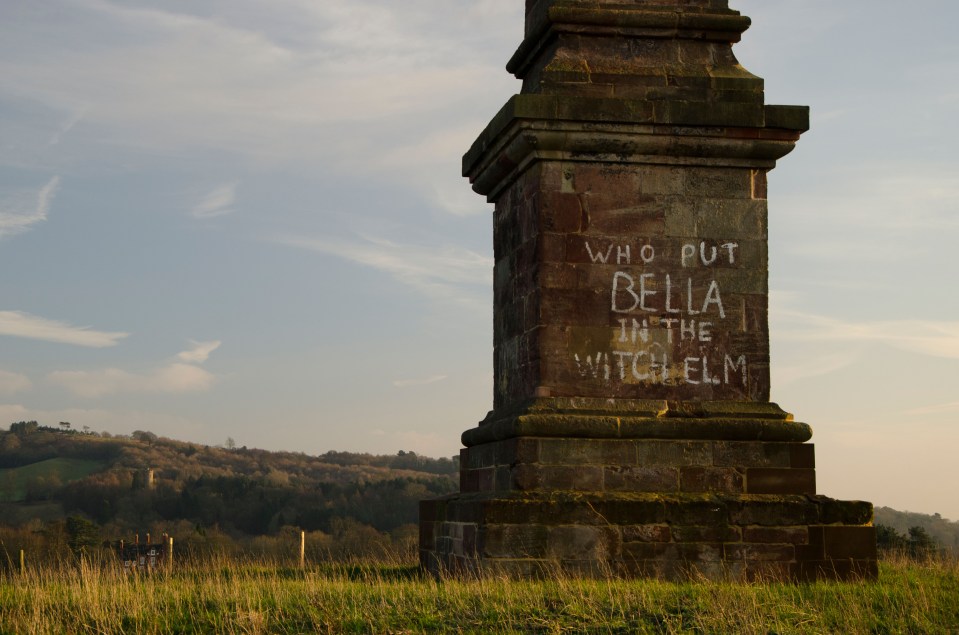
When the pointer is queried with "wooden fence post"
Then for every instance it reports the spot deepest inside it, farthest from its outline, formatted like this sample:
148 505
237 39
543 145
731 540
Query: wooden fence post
23 563
169 553
302 549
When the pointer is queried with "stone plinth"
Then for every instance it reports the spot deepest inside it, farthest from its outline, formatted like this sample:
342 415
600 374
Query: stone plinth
631 430
672 536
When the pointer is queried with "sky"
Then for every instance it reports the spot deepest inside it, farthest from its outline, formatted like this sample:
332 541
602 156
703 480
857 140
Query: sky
240 219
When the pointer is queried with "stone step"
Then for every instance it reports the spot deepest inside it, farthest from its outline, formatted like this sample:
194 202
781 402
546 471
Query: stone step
670 537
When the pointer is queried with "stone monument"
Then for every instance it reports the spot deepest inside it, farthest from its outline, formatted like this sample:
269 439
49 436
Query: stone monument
631 430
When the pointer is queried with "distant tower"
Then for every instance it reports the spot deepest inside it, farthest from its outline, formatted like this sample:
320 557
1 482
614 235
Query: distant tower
144 479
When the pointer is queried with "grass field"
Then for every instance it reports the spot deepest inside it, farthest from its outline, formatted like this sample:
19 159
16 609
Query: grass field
13 480
225 597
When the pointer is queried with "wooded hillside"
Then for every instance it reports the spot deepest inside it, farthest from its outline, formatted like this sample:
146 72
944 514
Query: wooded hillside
201 494
944 533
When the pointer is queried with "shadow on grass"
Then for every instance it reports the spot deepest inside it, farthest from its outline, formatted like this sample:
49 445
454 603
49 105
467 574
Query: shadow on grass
363 572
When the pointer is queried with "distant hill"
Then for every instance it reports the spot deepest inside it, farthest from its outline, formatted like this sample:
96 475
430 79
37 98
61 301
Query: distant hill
135 483
943 531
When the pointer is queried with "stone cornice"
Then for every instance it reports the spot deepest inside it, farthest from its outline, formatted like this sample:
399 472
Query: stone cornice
640 419
537 127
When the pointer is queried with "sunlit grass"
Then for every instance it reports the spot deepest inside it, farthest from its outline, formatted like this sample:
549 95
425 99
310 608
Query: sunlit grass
222 596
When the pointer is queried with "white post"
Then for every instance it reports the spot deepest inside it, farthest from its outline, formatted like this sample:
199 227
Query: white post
302 549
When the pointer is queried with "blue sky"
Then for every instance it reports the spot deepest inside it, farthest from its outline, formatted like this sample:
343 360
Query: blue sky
226 218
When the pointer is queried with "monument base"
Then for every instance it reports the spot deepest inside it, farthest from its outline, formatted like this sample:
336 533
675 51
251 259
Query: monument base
645 488
666 536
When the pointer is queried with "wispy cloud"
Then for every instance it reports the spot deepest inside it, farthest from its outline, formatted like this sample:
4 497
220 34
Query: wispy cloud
275 82
65 127
405 383
925 337
444 272
174 378
20 324
21 211
892 197
952 406
11 383
819 365
914 200
432 165
199 353
217 202
182 376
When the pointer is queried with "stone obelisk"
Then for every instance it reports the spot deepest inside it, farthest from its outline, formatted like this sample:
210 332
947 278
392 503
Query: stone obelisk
631 430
